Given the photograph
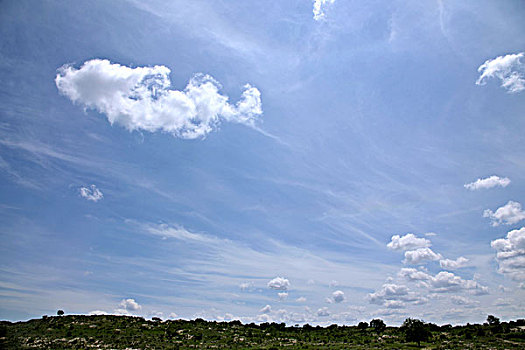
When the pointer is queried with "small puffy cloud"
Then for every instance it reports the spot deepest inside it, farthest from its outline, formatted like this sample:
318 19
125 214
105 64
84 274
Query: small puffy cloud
246 286
91 193
412 274
266 310
320 8
333 284
389 291
338 296
407 242
488 182
98 313
448 264
323 312
445 282
394 304
301 300
511 254
282 296
461 300
173 315
279 283
509 69
421 256
141 98
508 214
128 306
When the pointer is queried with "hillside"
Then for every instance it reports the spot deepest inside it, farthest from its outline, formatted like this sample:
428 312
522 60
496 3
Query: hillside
125 332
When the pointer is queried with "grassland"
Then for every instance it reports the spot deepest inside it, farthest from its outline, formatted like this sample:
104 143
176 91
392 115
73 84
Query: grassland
124 332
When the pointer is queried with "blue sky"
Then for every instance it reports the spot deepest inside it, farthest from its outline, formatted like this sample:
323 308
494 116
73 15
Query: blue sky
290 161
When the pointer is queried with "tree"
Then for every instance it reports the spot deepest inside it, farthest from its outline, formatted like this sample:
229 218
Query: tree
378 325
415 330
362 326
492 320
60 312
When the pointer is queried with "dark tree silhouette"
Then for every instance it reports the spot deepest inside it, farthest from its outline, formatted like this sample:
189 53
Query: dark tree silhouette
60 312
492 320
378 325
415 330
362 326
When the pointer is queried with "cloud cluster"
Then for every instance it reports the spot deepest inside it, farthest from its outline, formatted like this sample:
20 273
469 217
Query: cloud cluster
320 7
488 182
407 242
508 214
91 193
509 69
279 283
449 264
421 256
141 98
511 254
338 296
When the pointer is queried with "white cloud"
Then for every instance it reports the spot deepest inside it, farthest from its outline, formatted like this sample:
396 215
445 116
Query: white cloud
453 264
509 69
279 283
448 282
266 310
412 274
323 312
389 291
127 306
509 214
394 304
91 193
511 254
301 300
320 7
173 315
461 300
333 284
408 242
141 99
246 286
420 256
282 296
488 182
338 296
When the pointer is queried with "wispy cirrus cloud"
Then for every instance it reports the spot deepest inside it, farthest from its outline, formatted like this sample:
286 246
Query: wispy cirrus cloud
488 182
509 69
141 98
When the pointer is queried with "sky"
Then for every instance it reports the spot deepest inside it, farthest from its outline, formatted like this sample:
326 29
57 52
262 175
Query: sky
294 161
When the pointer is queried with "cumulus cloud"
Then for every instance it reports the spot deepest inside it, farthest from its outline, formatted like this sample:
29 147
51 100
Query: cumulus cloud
127 306
488 182
389 291
323 312
461 300
282 296
508 214
448 282
421 256
320 8
246 286
91 193
338 296
266 310
141 98
509 69
407 242
301 300
412 274
394 304
511 254
453 264
279 283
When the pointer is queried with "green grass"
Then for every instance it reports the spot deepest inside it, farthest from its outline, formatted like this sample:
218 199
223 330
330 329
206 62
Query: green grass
124 332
